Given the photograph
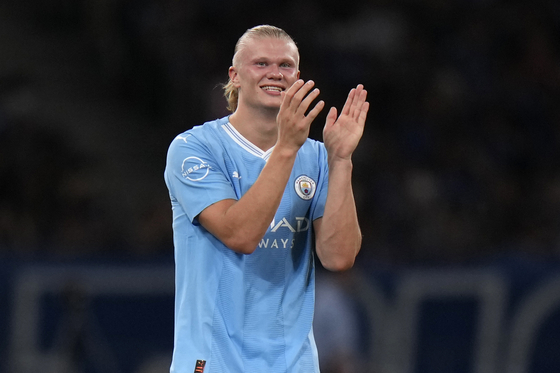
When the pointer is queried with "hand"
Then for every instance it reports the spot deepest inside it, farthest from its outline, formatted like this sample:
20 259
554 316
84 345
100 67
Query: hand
341 136
293 124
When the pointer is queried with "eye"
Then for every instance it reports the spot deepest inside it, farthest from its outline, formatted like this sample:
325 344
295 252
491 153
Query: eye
260 63
286 65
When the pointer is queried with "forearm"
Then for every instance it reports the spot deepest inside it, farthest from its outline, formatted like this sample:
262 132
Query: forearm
243 223
340 237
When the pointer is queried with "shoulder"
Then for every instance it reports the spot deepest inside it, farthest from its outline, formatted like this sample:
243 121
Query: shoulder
204 134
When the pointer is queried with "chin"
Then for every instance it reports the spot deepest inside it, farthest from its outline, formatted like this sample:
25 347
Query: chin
272 109
273 105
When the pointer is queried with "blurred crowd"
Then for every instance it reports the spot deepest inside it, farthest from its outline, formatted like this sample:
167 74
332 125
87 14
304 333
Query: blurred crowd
460 159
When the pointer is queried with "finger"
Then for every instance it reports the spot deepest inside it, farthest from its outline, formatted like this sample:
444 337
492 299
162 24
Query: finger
315 111
301 94
331 117
363 113
355 104
348 103
289 94
307 101
358 106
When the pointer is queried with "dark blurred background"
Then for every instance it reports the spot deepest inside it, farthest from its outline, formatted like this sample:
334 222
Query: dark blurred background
459 166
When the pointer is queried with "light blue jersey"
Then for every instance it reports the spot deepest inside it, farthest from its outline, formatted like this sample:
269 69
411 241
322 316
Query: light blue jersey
243 313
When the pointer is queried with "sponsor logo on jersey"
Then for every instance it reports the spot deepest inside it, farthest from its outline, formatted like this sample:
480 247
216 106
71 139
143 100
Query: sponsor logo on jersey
194 169
301 224
268 243
305 187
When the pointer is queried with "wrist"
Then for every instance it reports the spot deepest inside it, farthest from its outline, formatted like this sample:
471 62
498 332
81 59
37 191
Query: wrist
335 161
285 152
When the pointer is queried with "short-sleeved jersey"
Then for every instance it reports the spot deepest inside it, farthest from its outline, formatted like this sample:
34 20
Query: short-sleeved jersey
243 313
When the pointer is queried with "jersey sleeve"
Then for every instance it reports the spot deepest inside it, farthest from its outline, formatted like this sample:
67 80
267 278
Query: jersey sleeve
195 176
318 204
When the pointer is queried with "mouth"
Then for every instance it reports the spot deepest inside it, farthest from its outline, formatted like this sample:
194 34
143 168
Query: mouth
271 88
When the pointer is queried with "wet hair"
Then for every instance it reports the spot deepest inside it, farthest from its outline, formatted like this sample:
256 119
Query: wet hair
258 32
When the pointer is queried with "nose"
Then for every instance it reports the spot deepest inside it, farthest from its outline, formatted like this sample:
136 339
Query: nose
275 73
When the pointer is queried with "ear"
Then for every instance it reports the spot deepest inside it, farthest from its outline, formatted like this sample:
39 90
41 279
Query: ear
234 76
298 74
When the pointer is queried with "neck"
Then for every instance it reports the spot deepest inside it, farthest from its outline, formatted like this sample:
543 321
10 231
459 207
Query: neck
259 127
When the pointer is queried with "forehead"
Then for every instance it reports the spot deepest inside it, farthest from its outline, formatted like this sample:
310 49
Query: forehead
269 48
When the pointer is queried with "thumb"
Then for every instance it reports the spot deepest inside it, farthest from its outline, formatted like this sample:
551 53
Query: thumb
331 117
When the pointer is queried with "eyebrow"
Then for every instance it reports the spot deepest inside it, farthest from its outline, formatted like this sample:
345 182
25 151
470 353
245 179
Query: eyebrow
290 60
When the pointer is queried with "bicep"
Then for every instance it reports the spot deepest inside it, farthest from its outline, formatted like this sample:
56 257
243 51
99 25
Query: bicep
212 218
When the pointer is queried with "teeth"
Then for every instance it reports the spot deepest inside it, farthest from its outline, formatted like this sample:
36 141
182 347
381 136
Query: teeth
269 88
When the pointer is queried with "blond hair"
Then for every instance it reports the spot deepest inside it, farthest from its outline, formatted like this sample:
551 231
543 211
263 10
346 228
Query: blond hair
263 31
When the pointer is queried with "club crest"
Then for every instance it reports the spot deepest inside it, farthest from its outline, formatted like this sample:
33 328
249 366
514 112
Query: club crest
305 187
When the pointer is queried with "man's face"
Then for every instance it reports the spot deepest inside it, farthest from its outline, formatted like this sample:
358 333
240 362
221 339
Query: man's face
264 68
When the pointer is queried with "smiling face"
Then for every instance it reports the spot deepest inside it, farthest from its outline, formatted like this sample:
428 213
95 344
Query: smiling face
262 69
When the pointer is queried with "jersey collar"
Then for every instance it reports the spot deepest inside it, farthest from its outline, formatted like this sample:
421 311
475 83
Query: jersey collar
244 143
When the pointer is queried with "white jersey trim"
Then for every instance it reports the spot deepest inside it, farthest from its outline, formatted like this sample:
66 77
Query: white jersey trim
244 143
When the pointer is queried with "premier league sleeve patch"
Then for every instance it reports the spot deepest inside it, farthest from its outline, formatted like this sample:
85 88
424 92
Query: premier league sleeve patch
305 187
